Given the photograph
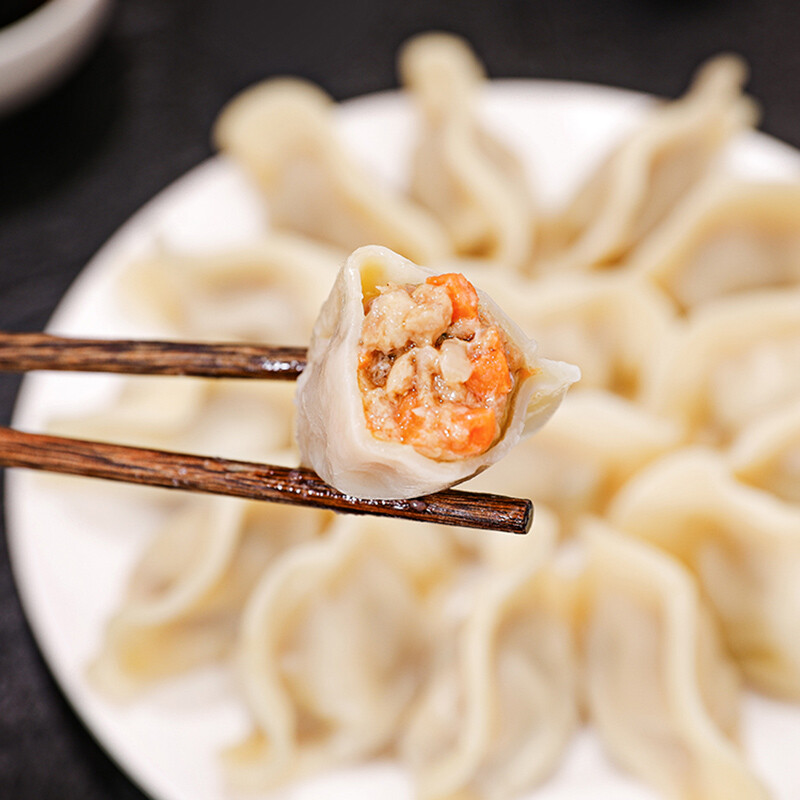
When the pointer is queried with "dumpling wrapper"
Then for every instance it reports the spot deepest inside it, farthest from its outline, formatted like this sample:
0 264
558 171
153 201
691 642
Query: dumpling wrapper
182 605
648 175
333 646
767 454
500 700
611 325
332 430
231 418
743 546
595 443
468 178
661 689
269 291
282 132
736 360
728 237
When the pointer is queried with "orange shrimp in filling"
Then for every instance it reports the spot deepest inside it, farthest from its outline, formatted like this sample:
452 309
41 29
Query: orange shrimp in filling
434 371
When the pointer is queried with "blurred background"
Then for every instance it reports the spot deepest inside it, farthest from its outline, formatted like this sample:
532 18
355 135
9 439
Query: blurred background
136 114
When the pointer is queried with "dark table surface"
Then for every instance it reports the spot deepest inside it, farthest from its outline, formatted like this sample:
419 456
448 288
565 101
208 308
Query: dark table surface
137 114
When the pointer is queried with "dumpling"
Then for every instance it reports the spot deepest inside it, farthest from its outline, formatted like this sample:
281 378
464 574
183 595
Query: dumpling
182 605
727 237
611 326
473 184
743 545
647 175
500 703
235 419
737 360
415 381
767 454
282 133
333 647
660 689
582 456
269 292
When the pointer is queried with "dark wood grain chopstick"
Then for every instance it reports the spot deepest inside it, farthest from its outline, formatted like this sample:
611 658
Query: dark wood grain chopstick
22 352
254 481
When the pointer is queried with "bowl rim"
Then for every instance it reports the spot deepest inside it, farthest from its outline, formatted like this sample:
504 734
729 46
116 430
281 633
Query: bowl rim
40 26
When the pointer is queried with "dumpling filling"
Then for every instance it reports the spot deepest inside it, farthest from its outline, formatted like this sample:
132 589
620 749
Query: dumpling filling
434 371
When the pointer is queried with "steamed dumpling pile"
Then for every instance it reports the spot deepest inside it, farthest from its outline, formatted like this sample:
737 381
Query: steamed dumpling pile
672 469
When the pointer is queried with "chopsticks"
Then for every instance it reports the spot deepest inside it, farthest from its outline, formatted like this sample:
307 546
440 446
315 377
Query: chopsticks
20 352
254 481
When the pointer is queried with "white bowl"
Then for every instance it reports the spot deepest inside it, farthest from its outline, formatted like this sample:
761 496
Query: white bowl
39 49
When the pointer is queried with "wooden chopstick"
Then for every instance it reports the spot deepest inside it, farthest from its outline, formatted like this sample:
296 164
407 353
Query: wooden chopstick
254 481
23 352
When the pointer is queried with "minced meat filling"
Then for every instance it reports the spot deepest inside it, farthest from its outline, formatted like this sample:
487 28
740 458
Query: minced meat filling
434 372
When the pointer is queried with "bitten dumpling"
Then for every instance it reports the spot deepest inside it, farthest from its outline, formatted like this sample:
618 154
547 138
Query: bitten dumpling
416 381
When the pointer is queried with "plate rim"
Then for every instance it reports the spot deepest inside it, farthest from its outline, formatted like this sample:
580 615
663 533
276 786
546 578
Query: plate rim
99 263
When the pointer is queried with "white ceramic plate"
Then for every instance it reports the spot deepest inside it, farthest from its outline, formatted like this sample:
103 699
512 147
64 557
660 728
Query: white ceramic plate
73 541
